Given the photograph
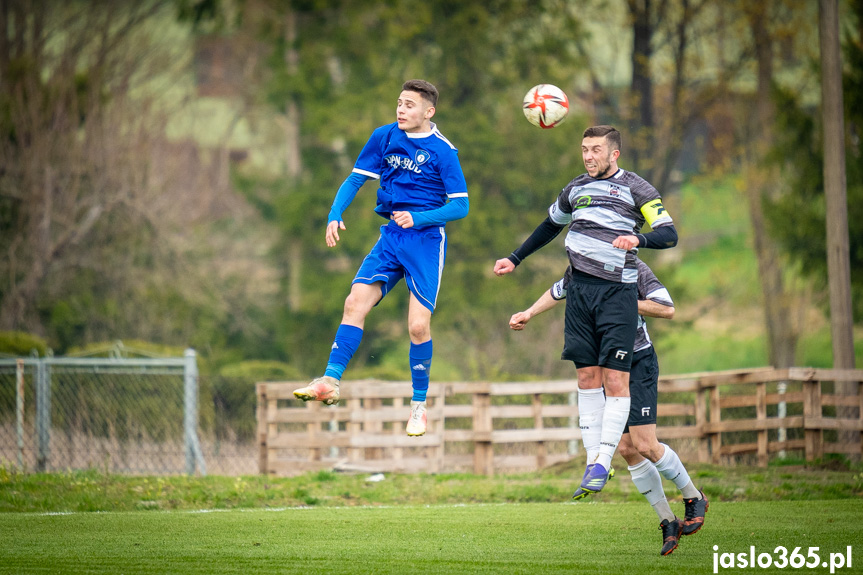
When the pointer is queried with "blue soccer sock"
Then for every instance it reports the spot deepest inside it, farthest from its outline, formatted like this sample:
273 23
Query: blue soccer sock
346 342
420 358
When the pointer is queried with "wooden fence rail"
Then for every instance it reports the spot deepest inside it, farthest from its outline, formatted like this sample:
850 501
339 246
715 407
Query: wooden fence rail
487 427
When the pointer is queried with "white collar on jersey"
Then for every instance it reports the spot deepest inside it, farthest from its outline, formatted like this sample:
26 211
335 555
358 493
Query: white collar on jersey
422 134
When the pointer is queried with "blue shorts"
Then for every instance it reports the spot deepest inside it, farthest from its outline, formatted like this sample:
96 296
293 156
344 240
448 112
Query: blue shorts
416 255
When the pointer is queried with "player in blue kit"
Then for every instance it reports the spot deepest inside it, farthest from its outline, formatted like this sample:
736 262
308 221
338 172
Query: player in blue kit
422 187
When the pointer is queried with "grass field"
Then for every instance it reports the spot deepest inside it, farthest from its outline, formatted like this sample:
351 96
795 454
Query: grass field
94 491
542 538
324 522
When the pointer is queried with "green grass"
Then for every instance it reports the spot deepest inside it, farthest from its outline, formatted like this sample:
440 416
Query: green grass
88 491
504 538
325 522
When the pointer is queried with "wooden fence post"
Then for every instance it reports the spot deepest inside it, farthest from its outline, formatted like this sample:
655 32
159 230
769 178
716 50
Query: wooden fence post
483 451
700 420
437 453
374 427
354 428
261 409
715 419
860 413
814 438
314 429
397 453
541 451
761 417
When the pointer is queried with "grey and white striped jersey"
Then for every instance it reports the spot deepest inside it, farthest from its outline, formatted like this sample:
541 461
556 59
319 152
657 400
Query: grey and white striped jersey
598 211
649 287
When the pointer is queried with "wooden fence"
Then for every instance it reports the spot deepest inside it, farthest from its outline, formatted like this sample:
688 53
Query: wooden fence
492 427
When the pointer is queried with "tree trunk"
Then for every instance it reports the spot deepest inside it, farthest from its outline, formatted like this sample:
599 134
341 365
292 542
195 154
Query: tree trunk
835 189
293 159
835 193
641 88
779 305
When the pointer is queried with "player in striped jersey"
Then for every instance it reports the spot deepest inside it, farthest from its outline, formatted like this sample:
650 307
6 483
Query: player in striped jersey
605 210
422 187
648 459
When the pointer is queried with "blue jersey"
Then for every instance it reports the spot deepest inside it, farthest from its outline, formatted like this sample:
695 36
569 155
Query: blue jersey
417 171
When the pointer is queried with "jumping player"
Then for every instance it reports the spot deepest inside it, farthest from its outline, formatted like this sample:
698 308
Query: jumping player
605 210
422 187
648 459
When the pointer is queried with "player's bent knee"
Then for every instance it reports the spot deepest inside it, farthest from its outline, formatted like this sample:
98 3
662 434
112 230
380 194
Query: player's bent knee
358 305
627 451
647 447
644 449
419 330
616 382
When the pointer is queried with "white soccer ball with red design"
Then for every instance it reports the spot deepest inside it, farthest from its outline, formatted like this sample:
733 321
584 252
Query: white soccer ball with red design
546 106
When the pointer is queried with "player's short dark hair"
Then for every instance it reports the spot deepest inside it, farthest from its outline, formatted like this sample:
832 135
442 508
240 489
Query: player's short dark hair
423 88
610 133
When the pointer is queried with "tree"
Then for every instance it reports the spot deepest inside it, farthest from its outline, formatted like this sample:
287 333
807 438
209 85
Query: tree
676 82
760 179
797 218
106 223
838 269
65 161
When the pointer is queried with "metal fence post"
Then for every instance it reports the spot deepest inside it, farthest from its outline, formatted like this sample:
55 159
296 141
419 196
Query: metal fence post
194 456
190 411
19 410
43 414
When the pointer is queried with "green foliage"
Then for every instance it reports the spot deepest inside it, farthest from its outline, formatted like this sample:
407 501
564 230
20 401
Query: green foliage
342 72
127 348
261 370
798 216
21 344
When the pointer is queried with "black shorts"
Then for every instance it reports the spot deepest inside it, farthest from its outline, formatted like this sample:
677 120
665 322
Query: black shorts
601 321
643 393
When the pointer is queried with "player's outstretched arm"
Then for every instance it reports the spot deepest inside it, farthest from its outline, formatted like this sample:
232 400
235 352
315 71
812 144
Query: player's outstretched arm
333 232
542 235
346 194
651 308
544 303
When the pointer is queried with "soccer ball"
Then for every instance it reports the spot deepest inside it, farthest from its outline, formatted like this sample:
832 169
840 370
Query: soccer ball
545 106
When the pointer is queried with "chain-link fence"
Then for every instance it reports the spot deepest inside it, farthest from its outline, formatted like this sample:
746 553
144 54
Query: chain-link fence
120 415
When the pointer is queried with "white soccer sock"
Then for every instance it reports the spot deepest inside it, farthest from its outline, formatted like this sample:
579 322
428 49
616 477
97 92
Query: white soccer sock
591 403
649 483
613 421
671 468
